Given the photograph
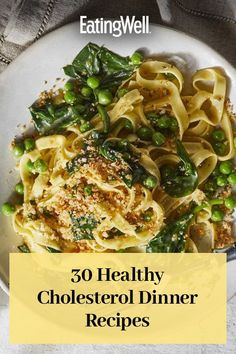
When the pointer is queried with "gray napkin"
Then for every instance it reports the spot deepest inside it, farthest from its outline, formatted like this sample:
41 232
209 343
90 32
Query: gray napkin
212 21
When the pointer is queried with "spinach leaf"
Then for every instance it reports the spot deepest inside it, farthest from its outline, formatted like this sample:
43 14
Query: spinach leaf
24 248
78 161
112 68
105 118
85 64
115 68
52 250
134 173
54 119
83 227
107 150
171 238
184 179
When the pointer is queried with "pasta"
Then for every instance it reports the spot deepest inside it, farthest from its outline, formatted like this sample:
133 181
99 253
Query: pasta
106 191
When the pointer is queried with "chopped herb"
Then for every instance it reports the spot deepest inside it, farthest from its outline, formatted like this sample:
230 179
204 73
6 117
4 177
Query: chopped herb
81 159
147 216
32 216
88 190
114 232
47 213
139 228
83 227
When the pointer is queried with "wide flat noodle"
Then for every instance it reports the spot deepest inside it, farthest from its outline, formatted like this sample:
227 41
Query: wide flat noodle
155 87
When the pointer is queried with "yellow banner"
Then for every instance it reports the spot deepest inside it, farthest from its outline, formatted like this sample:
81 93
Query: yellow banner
117 298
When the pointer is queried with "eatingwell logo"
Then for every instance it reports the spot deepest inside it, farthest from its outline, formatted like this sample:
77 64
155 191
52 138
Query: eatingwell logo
125 24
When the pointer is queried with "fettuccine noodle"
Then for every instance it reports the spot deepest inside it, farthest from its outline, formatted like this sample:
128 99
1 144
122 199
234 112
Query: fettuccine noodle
113 214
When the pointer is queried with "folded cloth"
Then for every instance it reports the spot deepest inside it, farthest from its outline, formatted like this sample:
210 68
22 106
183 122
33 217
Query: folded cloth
24 21
212 21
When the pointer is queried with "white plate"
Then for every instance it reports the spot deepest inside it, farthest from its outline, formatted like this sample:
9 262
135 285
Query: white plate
24 79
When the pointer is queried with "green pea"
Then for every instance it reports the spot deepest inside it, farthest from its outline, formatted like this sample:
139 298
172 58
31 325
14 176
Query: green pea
136 58
153 116
217 215
164 122
218 135
226 167
221 181
29 144
150 182
220 148
144 133
85 127
105 97
19 188
40 166
147 216
127 124
18 150
166 171
88 190
8 209
68 86
121 92
70 97
30 166
158 138
232 178
230 202
93 82
86 91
